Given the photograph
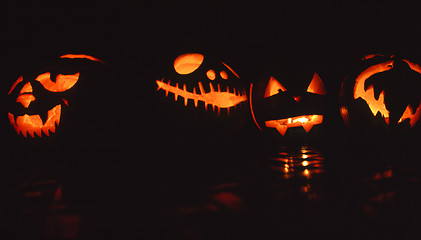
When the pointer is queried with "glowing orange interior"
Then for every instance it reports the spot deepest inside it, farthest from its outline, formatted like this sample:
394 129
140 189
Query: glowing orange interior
33 123
378 105
188 63
305 121
375 105
316 85
20 79
82 56
223 75
273 87
62 83
211 74
216 97
232 70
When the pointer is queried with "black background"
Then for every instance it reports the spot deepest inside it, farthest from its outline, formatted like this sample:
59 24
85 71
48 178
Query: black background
138 40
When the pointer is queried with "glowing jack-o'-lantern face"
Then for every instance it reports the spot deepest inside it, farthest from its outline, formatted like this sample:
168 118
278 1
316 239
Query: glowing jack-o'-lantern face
387 86
37 100
197 82
273 106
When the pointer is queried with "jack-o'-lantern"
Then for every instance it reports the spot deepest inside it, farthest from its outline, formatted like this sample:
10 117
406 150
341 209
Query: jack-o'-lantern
37 100
382 93
282 106
199 87
197 81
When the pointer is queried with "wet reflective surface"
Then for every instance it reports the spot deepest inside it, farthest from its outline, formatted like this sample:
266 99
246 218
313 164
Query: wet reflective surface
295 192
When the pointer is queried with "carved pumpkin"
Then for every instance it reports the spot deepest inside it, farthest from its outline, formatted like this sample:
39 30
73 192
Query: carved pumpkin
383 92
282 108
194 81
201 93
38 100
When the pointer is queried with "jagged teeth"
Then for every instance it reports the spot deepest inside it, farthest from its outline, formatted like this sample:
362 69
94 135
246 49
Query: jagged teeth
166 87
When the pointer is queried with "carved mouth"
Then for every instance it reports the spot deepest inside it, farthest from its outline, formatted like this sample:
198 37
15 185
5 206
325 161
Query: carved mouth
377 105
216 98
305 121
33 123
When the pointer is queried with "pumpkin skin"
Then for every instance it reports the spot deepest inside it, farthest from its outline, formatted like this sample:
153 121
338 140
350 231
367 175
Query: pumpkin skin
382 95
285 110
203 90
38 100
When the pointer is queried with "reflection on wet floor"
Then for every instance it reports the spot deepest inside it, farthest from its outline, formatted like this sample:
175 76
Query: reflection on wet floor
294 189
300 165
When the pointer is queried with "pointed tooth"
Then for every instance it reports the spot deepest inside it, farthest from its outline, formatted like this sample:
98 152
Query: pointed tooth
228 110
45 131
211 87
219 88
185 98
219 110
166 90
159 85
175 94
206 106
234 91
213 107
44 117
23 131
307 126
38 132
228 89
202 91
53 129
31 132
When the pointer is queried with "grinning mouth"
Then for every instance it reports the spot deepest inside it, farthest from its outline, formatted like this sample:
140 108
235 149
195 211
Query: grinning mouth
306 121
215 98
33 123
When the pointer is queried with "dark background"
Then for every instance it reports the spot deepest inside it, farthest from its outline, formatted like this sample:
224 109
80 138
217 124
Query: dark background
127 180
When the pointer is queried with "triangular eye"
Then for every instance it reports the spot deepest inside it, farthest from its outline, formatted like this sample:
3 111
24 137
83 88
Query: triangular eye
188 63
316 86
273 87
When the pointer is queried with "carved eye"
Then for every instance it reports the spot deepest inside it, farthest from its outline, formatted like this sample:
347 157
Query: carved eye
316 86
62 83
188 63
273 87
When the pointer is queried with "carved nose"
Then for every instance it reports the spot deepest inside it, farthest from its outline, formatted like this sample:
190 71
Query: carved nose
297 98
25 96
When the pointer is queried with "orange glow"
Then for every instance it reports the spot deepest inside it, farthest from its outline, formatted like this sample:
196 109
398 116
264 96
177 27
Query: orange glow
33 123
73 56
20 79
251 107
297 98
306 121
232 70
215 98
306 173
25 99
211 74
375 105
62 83
188 63
273 87
372 55
27 88
305 163
413 66
316 85
224 75
407 114
345 115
